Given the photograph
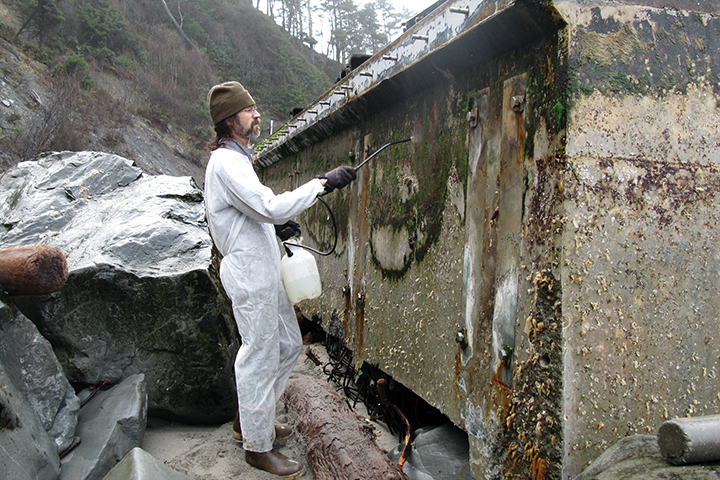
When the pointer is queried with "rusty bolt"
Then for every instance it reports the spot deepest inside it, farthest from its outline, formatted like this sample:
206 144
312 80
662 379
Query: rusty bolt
464 10
518 103
461 338
472 118
505 355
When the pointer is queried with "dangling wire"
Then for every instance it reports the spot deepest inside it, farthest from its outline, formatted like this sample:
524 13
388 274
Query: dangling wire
324 254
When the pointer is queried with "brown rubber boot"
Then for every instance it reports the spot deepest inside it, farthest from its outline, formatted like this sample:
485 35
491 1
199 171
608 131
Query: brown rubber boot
282 432
275 462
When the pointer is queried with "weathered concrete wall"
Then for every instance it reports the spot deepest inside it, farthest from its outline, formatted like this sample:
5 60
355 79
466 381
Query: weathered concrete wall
640 264
538 262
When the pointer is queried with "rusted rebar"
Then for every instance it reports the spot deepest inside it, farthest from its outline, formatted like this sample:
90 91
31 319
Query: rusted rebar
94 389
385 400
311 355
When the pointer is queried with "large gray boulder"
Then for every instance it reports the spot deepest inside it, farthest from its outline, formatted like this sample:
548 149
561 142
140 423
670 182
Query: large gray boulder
28 359
142 295
111 424
28 452
140 465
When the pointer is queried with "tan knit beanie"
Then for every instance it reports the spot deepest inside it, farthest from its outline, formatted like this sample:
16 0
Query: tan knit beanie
227 99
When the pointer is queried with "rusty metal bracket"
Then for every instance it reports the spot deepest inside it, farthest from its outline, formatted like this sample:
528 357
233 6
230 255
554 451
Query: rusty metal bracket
517 103
472 118
461 338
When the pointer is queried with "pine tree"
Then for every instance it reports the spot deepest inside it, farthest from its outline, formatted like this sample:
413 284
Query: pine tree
42 16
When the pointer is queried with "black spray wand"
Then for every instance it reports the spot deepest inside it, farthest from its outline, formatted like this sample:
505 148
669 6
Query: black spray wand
380 150
285 244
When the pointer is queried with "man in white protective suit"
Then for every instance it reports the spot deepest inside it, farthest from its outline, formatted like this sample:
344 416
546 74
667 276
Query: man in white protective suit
244 217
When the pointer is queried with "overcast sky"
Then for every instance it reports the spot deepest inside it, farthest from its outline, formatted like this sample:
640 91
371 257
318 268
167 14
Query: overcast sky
414 6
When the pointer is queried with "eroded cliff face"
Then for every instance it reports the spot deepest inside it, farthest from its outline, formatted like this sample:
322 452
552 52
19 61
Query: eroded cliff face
37 115
538 263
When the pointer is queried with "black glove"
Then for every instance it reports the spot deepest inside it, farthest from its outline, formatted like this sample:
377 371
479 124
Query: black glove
287 230
339 177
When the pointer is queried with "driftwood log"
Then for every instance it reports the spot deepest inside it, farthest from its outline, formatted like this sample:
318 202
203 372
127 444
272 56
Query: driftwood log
339 446
32 270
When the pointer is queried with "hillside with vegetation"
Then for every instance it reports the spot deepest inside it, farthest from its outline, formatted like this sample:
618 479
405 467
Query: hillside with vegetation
131 77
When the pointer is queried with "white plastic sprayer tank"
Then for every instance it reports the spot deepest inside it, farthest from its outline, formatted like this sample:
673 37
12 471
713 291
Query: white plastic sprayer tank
300 274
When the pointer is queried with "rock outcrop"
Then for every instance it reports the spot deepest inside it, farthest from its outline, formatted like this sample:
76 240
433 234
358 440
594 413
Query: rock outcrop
46 433
111 424
28 451
140 465
638 458
142 294
32 369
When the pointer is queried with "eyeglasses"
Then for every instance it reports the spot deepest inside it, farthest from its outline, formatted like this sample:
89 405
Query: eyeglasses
252 109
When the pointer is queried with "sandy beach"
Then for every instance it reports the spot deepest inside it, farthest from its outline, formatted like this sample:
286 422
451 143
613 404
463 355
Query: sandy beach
209 452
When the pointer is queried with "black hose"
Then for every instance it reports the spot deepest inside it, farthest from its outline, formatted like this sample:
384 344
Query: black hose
324 254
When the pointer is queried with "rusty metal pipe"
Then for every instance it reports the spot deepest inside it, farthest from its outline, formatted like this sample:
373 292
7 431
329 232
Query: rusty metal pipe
384 393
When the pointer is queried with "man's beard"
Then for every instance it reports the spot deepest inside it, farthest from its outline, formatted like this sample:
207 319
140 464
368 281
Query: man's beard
250 132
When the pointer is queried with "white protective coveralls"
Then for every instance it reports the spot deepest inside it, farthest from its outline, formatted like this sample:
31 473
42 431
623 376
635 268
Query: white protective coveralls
241 212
